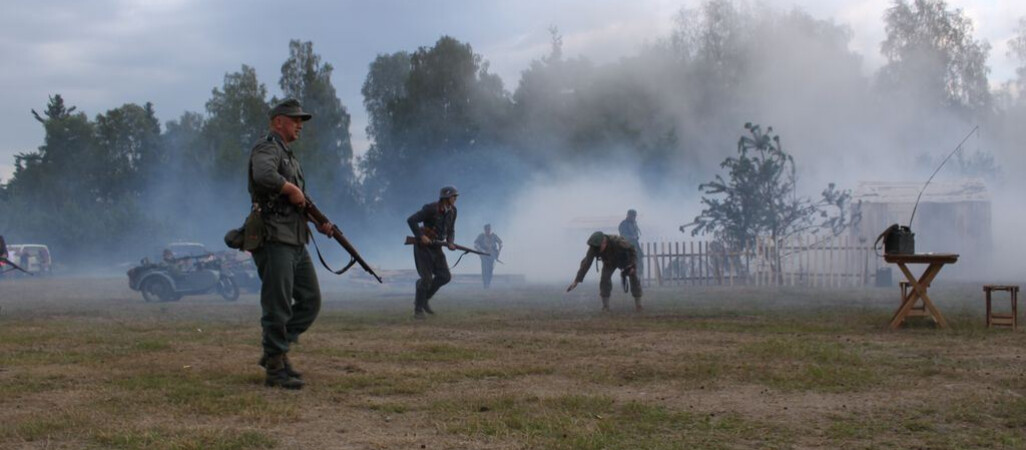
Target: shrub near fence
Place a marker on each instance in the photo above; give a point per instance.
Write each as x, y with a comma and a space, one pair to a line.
813, 261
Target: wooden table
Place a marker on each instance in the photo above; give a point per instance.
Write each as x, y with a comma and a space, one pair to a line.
935, 262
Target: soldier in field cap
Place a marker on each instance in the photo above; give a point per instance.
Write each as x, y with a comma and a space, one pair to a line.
630, 231
290, 296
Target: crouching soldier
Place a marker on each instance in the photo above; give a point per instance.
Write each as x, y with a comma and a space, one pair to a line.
615, 253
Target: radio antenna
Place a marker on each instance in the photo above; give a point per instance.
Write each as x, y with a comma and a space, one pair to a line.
928, 180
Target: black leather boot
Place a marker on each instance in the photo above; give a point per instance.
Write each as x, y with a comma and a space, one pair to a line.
277, 376
288, 366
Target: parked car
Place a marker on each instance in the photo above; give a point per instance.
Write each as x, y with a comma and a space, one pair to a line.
34, 258
174, 277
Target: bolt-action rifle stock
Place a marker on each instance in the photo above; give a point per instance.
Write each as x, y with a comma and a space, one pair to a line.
317, 217
410, 240
435, 242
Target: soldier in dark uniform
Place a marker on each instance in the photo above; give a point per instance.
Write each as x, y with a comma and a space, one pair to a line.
3, 256
439, 220
615, 253
630, 231
490, 243
290, 296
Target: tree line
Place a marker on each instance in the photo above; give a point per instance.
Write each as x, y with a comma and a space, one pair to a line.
111, 184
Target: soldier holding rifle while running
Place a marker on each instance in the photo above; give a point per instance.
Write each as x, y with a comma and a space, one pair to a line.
439, 220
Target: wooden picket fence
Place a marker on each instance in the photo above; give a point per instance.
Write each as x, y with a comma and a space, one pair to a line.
813, 261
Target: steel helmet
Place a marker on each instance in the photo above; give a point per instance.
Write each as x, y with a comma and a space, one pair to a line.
448, 191
596, 239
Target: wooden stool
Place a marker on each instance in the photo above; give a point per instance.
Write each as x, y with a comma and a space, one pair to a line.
1003, 320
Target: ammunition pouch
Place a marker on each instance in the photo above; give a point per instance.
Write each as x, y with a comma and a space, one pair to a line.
235, 238
254, 231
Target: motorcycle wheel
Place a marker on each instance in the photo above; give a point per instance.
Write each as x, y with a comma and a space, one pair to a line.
158, 290
228, 289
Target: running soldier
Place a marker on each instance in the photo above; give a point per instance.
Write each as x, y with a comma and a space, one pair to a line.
490, 243
439, 220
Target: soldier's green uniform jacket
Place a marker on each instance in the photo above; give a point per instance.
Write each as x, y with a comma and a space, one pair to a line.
619, 253
271, 164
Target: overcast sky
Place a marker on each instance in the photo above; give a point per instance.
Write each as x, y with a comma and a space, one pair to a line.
102, 54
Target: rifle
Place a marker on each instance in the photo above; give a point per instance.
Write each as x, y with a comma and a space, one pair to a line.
13, 265
317, 217
410, 240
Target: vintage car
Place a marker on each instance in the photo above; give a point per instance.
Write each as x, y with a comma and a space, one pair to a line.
173, 277
33, 258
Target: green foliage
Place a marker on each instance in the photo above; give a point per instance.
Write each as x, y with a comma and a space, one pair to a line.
1017, 50
127, 143
325, 147
437, 104
759, 197
84, 168
237, 118
932, 55
385, 85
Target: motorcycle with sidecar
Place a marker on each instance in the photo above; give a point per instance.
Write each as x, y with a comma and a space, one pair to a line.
172, 278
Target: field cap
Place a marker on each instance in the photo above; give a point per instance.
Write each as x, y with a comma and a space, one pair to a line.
290, 107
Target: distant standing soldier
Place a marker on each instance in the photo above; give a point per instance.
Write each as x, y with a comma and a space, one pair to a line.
3, 255
630, 231
290, 296
615, 253
490, 243
439, 222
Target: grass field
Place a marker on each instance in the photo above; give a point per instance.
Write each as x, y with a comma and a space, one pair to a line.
86, 364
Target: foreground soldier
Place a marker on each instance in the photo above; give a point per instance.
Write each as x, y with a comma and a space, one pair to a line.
290, 296
490, 243
439, 221
630, 231
615, 253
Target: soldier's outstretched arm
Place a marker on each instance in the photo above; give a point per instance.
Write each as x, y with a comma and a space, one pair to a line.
585, 265
572, 286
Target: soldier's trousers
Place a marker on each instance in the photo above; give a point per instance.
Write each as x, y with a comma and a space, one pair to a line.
487, 266
641, 256
606, 282
434, 273
289, 294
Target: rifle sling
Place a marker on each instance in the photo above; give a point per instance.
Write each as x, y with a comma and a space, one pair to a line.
325, 264
458, 259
